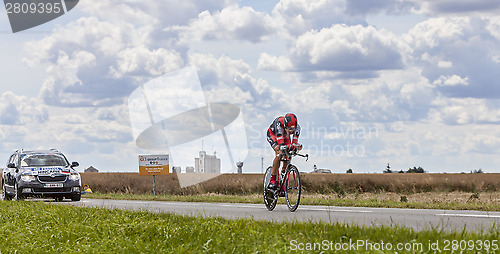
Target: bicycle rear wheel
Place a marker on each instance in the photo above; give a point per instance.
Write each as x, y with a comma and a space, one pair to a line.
269, 198
293, 188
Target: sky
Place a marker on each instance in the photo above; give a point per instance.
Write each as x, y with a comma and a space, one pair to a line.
405, 82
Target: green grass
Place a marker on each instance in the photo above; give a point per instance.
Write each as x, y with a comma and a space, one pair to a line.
305, 200
40, 227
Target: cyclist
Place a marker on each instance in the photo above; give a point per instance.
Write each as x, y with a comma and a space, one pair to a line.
278, 136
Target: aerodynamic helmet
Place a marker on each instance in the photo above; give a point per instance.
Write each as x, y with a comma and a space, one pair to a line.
290, 121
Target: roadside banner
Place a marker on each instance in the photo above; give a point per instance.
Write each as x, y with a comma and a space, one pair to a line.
156, 164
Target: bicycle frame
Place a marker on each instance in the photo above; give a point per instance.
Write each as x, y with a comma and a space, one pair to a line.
271, 196
282, 176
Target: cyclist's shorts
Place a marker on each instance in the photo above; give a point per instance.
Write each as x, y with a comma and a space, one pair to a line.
273, 140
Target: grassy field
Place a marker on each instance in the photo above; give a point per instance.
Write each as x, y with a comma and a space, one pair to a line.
336, 184
436, 191
40, 227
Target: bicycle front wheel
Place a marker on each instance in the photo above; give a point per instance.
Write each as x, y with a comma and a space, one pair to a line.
293, 188
269, 197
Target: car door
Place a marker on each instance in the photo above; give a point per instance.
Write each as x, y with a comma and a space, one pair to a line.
9, 173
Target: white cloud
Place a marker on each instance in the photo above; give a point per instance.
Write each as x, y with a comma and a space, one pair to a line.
445, 64
156, 13
99, 60
395, 95
276, 63
436, 32
231, 23
141, 60
453, 80
309, 99
465, 111
458, 52
82, 133
83, 125
436, 147
299, 16
21, 110
226, 79
93, 62
493, 26
339, 48
483, 142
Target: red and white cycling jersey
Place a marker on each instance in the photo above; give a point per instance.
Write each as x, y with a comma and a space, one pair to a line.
276, 134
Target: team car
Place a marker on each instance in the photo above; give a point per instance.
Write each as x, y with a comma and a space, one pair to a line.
41, 173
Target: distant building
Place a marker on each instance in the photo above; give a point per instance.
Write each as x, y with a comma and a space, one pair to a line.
189, 169
207, 163
91, 169
176, 169
320, 170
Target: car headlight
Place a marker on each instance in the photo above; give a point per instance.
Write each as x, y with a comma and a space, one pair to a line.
74, 177
27, 178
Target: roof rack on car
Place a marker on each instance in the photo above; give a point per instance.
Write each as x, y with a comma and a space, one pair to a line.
54, 150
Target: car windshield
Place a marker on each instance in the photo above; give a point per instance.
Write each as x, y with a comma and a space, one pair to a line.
41, 160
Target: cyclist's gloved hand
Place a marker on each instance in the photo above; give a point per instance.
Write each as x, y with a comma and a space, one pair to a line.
283, 148
291, 148
298, 146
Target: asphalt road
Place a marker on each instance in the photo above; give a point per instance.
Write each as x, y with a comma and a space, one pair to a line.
418, 219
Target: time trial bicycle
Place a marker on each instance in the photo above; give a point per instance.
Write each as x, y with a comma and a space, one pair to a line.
288, 181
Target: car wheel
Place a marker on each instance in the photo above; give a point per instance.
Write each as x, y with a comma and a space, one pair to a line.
76, 196
17, 193
5, 195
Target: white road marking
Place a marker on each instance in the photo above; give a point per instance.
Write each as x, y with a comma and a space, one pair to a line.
336, 210
301, 208
242, 206
469, 215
